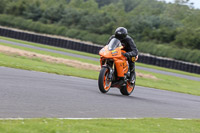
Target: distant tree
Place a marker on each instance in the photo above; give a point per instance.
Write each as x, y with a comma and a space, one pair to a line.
2, 5
181, 1
71, 17
130, 4
146, 20
178, 11
97, 23
16, 7
148, 7
88, 5
192, 20
117, 12
106, 2
76, 3
33, 11
153, 28
188, 38
68, 1
53, 14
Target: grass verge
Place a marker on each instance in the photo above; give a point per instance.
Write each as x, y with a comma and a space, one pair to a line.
51, 54
167, 69
94, 56
170, 83
36, 64
146, 125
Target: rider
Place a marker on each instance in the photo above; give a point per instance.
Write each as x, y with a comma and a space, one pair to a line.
121, 33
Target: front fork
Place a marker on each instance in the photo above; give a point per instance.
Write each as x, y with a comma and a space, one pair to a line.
107, 64
111, 71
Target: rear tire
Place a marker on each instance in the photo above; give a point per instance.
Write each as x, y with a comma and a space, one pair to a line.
128, 89
103, 82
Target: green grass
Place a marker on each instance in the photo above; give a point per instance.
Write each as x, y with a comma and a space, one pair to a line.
90, 55
146, 125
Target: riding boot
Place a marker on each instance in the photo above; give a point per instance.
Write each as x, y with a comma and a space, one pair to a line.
132, 77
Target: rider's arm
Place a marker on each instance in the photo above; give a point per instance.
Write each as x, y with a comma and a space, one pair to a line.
134, 50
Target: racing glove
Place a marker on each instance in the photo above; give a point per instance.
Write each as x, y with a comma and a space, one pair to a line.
126, 55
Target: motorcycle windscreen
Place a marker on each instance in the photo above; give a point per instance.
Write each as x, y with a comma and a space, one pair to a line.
113, 44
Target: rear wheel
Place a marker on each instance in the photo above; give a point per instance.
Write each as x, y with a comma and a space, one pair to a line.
128, 89
103, 81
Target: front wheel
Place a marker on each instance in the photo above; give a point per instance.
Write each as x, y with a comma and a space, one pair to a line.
103, 81
128, 89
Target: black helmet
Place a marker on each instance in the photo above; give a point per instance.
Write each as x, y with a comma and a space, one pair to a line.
121, 33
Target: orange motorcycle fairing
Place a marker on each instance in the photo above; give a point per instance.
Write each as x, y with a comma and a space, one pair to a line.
105, 53
121, 67
120, 61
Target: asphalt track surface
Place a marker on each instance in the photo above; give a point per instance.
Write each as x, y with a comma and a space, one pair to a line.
95, 59
30, 94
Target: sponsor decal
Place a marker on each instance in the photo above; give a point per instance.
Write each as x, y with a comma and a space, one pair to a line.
114, 53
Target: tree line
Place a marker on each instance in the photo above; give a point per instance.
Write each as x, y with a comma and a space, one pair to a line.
172, 24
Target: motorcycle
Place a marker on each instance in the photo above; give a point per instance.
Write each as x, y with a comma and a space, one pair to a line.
115, 69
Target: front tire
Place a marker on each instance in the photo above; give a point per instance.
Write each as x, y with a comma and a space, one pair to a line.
103, 81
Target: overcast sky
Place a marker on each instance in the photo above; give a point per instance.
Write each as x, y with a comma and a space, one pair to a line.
196, 2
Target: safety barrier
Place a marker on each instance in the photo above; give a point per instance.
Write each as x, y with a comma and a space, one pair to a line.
94, 49
169, 63
50, 40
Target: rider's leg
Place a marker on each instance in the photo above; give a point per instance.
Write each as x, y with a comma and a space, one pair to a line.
132, 71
